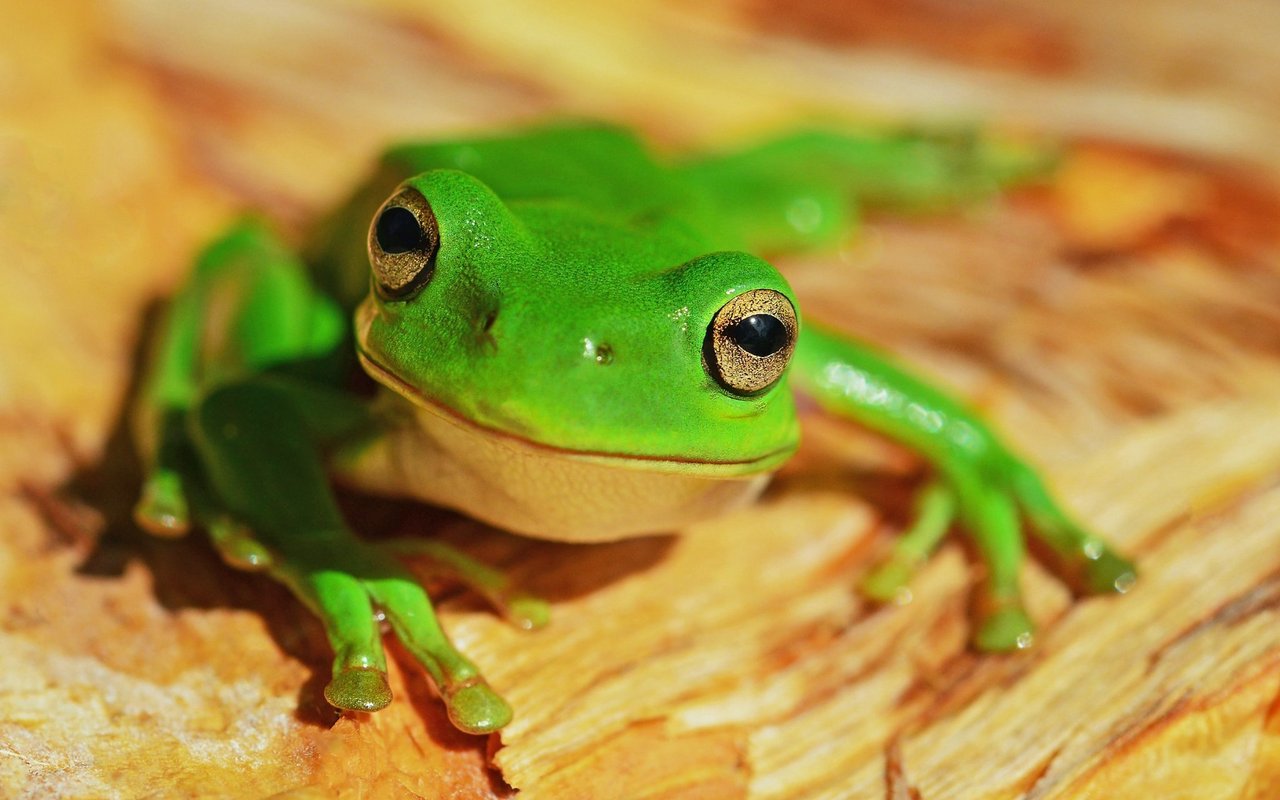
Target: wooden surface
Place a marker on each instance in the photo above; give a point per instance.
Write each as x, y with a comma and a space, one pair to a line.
1122, 326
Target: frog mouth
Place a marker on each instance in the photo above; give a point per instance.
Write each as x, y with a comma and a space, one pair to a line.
661, 463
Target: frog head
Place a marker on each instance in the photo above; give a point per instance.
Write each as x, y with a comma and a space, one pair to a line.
552, 328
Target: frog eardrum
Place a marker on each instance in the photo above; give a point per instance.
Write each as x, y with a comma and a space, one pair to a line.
750, 341
403, 241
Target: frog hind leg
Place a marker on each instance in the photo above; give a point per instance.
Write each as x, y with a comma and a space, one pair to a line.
262, 461
596, 164
805, 190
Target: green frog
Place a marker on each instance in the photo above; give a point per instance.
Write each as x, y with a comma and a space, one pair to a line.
572, 338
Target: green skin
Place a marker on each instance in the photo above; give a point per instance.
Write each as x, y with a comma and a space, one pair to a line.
550, 238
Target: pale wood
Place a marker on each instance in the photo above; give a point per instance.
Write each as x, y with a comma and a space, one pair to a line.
1120, 326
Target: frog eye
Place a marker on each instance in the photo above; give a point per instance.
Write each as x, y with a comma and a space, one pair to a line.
750, 341
403, 241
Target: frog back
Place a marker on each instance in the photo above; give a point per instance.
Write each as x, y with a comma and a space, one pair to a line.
597, 166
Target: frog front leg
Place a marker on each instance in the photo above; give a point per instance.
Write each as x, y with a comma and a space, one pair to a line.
258, 445
239, 405
985, 486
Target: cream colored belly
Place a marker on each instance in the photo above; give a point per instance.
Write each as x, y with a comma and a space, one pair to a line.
539, 491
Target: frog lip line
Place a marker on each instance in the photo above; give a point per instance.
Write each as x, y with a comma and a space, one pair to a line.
389, 378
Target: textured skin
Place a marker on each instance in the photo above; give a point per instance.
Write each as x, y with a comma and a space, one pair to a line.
551, 373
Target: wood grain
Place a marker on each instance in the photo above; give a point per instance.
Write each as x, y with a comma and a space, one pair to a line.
1121, 325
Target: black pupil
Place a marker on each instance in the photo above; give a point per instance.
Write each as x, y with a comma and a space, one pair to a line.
759, 334
398, 230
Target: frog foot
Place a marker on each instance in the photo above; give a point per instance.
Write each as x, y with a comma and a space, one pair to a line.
162, 509
359, 689
524, 611
1003, 627
1083, 559
992, 499
474, 707
888, 581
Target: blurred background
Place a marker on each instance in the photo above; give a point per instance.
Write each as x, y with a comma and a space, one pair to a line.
1121, 323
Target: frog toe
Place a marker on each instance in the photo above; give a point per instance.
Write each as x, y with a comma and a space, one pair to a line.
237, 546
887, 583
1004, 630
526, 612
476, 708
1102, 571
162, 509
359, 689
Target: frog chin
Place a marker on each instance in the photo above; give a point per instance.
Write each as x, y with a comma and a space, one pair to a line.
520, 485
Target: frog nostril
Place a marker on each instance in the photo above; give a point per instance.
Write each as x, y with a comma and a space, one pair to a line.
759, 334
398, 230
